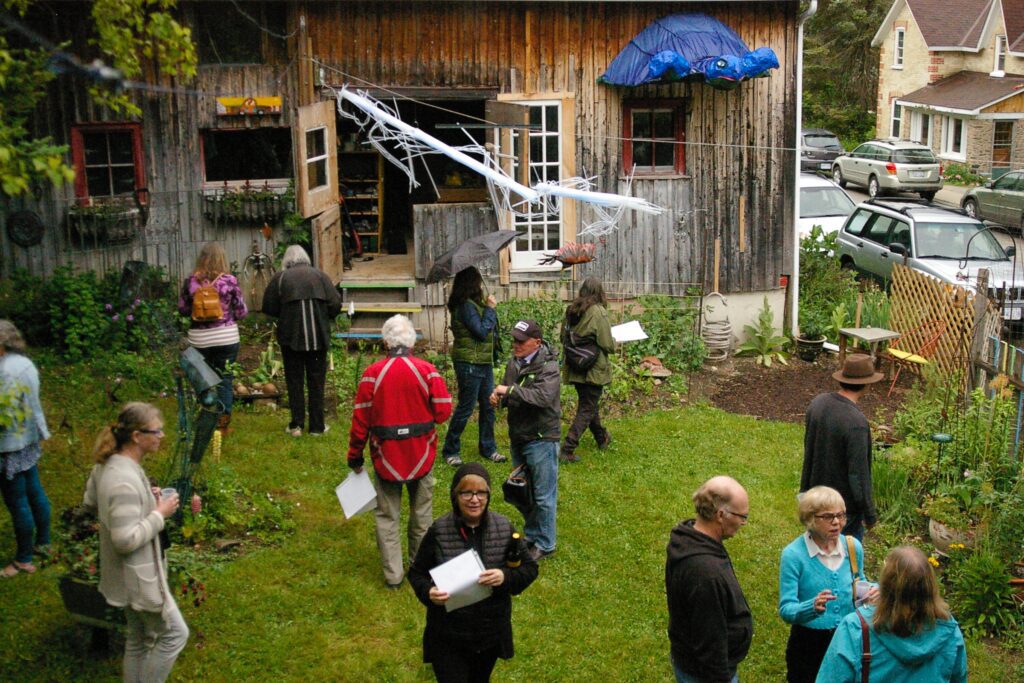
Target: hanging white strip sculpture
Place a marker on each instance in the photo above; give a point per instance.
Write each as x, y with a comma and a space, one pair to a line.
381, 125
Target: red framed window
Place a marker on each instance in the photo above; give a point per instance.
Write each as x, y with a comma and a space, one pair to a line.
653, 133
107, 158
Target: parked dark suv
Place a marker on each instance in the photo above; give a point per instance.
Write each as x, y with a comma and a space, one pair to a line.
817, 150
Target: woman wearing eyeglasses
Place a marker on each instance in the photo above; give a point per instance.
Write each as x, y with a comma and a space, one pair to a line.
816, 581
465, 644
133, 572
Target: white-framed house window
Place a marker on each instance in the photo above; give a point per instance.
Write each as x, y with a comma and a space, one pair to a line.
953, 138
897, 48
921, 127
999, 57
897, 119
316, 157
538, 234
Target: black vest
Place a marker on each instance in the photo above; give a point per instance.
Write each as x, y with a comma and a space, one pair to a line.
494, 548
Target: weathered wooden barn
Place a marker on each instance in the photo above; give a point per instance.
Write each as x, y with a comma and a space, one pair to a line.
215, 158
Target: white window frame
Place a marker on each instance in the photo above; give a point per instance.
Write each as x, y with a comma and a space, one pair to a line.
325, 157
896, 120
528, 259
949, 150
917, 123
999, 58
898, 43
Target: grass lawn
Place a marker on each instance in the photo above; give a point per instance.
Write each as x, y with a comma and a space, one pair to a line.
314, 608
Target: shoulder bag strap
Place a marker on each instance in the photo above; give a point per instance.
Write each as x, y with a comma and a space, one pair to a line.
865, 646
854, 568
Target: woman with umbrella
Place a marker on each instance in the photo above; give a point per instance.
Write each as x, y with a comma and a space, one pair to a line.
475, 328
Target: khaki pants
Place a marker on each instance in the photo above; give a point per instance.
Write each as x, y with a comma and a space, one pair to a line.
389, 510
152, 643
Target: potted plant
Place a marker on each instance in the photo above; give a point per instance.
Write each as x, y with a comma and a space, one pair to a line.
76, 548
111, 222
948, 523
813, 326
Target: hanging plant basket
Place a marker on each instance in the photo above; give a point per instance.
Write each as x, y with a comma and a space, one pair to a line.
246, 207
104, 224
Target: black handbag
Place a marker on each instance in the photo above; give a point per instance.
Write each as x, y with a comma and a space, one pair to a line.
581, 353
518, 489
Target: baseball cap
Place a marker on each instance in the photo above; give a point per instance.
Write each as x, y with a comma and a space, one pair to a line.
526, 329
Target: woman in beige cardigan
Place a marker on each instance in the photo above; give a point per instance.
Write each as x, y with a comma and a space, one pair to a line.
133, 573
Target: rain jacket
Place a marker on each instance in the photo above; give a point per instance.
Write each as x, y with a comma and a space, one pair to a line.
935, 655
710, 625
594, 321
534, 398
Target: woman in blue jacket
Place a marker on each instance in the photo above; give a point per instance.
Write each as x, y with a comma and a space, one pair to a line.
816, 581
911, 634
21, 430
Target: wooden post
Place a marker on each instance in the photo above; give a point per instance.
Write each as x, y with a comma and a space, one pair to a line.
860, 307
743, 224
718, 256
978, 332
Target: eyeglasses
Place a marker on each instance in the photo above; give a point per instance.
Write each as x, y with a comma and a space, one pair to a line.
831, 516
736, 514
468, 495
150, 431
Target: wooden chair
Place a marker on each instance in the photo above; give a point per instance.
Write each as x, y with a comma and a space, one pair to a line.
914, 349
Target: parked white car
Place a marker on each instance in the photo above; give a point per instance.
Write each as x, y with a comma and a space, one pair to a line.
823, 203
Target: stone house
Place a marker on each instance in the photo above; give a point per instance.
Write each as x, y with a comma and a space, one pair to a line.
951, 76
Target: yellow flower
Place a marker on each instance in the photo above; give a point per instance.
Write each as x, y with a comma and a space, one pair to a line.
956, 546
933, 562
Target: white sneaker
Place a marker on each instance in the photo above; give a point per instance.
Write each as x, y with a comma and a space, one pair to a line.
293, 431
327, 428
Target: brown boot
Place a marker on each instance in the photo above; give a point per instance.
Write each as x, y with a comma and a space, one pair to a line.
222, 424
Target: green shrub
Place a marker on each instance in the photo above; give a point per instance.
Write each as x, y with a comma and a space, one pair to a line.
896, 493
823, 283
980, 594
544, 308
671, 329
961, 174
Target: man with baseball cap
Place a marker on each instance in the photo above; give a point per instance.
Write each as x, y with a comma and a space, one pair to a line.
837, 443
530, 391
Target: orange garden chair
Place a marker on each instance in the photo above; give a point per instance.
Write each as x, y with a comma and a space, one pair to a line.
914, 349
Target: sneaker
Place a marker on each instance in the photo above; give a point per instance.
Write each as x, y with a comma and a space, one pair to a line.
393, 586
566, 456
293, 431
606, 443
536, 554
453, 460
496, 457
327, 428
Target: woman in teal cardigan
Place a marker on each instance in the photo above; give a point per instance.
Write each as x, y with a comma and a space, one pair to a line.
816, 581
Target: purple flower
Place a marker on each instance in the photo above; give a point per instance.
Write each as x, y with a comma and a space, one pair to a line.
115, 317
108, 307
136, 302
130, 317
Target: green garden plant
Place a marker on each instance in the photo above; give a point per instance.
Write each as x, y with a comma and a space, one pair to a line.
980, 594
671, 327
762, 342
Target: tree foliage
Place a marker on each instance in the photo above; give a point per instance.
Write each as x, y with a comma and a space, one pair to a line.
138, 38
841, 67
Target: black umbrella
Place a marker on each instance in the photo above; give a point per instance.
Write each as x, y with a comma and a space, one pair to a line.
471, 252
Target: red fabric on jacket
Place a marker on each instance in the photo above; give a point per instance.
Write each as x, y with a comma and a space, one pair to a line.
398, 390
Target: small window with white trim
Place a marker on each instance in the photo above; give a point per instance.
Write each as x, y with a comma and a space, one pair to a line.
897, 118
999, 58
921, 127
897, 48
953, 137
316, 157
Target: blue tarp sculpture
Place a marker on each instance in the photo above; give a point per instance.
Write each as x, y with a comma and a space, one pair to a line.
691, 47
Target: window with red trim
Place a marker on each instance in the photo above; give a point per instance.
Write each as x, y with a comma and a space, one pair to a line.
108, 160
653, 133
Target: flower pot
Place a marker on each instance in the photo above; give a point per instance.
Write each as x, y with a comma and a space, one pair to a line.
87, 605
943, 536
809, 349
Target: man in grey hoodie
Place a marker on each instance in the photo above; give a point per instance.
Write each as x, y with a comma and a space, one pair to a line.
709, 622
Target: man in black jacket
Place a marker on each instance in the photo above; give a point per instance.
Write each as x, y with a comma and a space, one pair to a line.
709, 622
531, 392
837, 443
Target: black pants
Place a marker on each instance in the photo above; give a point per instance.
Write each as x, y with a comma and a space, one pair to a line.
309, 368
464, 666
804, 652
587, 415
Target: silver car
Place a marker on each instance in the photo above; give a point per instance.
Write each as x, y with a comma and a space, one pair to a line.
886, 166
945, 244
1000, 201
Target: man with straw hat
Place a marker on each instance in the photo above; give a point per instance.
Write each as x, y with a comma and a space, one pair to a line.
837, 443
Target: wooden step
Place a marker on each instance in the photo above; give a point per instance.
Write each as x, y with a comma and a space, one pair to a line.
366, 335
376, 284
384, 307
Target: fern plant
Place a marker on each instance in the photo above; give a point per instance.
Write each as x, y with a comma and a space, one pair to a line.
766, 346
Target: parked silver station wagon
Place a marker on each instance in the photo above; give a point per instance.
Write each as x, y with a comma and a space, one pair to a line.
1000, 201
885, 166
946, 244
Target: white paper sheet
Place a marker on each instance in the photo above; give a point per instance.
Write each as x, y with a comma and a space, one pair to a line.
458, 578
356, 494
627, 332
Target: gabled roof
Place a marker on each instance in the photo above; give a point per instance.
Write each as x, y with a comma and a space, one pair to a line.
966, 92
958, 25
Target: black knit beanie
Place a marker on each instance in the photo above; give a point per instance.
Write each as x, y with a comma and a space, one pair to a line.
464, 470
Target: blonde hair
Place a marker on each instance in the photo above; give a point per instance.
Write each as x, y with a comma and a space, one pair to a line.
134, 416
815, 500
908, 594
212, 261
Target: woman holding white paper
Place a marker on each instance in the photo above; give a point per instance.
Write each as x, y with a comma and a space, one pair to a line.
465, 644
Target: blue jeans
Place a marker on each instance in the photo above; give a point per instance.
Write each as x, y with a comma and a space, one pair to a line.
542, 459
476, 382
855, 526
30, 511
217, 357
683, 677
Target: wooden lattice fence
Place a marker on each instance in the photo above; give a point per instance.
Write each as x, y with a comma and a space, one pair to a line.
917, 299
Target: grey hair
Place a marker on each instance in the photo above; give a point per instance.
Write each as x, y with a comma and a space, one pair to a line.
398, 331
816, 500
295, 255
10, 337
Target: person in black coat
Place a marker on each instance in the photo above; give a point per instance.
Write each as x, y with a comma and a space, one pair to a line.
465, 644
306, 302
